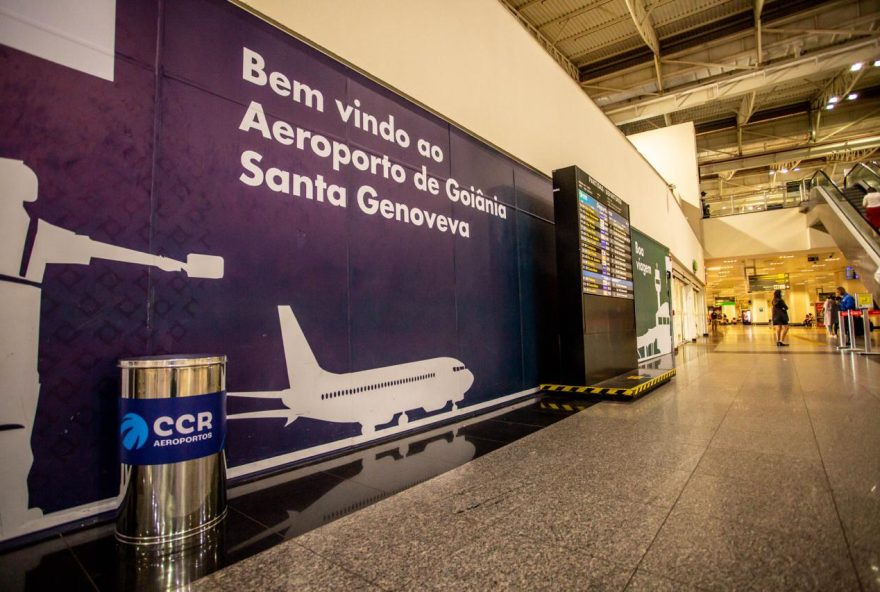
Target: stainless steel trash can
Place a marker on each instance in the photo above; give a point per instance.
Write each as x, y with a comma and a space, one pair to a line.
172, 427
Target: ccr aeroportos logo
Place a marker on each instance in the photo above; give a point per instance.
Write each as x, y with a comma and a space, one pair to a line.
134, 431
184, 425
166, 430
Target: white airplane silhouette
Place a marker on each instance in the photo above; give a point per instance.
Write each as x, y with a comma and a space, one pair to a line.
369, 397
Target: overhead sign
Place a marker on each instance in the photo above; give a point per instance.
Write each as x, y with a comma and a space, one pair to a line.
769, 282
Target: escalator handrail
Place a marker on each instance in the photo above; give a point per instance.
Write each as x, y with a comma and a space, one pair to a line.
815, 182
861, 167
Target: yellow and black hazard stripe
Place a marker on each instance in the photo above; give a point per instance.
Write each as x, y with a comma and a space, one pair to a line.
562, 406
615, 391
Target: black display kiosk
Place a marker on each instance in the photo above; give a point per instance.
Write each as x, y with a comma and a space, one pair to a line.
595, 280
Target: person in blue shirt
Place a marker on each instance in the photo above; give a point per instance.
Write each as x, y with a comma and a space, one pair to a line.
847, 303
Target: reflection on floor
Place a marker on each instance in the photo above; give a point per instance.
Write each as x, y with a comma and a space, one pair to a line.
266, 512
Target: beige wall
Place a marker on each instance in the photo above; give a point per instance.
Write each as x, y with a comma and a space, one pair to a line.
761, 233
673, 152
472, 62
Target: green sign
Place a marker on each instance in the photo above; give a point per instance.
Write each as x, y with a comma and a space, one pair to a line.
651, 268
768, 282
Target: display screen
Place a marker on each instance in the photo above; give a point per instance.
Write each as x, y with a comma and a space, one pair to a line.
606, 258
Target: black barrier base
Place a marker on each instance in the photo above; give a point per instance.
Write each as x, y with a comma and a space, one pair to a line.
628, 385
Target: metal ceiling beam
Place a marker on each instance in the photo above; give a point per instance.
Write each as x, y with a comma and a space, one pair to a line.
642, 20
853, 32
739, 84
746, 109
707, 64
743, 114
765, 160
759, 52
586, 32
549, 46
728, 27
572, 14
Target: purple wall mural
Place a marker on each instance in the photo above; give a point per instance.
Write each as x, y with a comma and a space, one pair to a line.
416, 283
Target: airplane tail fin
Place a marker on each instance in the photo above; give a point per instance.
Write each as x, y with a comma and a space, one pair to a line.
301, 361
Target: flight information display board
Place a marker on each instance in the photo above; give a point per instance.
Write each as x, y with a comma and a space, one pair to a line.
769, 282
594, 275
606, 257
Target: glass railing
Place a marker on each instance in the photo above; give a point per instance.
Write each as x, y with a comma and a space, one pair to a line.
865, 176
873, 166
785, 197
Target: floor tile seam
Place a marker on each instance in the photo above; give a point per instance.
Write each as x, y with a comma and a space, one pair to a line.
756, 526
552, 541
630, 502
384, 494
680, 493
265, 527
673, 580
79, 563
529, 424
846, 536
344, 567
711, 473
663, 422
506, 442
537, 540
821, 486
782, 433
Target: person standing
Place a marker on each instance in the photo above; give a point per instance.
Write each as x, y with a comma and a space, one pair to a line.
831, 315
848, 305
780, 318
871, 201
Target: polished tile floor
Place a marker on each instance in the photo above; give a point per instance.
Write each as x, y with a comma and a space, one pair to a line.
756, 468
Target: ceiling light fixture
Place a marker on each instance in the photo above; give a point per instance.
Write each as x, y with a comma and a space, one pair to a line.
833, 100
852, 96
856, 67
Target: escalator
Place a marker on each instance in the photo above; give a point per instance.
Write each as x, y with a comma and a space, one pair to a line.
839, 212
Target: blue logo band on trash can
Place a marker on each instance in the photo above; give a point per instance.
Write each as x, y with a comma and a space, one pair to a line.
160, 431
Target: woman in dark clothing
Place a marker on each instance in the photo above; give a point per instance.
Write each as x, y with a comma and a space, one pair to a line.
780, 318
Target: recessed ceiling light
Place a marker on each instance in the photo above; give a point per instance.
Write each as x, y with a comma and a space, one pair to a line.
829, 106
784, 171
877, 62
833, 100
856, 67
852, 96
